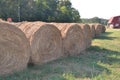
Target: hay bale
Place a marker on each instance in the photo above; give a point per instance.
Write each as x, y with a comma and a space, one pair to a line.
17, 24
22, 24
45, 40
92, 28
88, 34
98, 29
25, 23
12, 23
14, 49
103, 29
1, 20
73, 38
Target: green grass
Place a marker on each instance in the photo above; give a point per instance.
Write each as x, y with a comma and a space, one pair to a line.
100, 62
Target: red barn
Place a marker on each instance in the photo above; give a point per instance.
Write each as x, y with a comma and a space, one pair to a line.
114, 22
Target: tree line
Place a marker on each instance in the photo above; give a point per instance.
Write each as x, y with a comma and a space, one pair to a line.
95, 20
39, 10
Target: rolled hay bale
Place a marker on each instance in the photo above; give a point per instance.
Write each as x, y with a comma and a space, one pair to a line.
92, 28
88, 34
1, 20
25, 23
17, 24
12, 23
73, 38
45, 41
14, 49
103, 29
98, 29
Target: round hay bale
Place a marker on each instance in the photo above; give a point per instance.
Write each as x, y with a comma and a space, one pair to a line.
92, 28
103, 29
45, 41
14, 49
88, 34
22, 24
1, 21
17, 24
25, 23
98, 29
73, 38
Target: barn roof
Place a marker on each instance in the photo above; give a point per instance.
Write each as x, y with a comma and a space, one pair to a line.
112, 18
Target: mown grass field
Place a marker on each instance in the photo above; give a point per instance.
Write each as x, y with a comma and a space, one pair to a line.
100, 62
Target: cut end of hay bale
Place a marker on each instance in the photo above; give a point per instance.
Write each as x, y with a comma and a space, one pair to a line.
73, 38
45, 40
98, 29
14, 49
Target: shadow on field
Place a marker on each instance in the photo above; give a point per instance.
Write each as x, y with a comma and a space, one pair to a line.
87, 64
106, 56
105, 36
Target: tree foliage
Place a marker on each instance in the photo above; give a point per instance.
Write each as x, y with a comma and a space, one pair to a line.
43, 10
95, 20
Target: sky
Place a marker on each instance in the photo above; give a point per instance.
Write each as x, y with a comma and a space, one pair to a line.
97, 8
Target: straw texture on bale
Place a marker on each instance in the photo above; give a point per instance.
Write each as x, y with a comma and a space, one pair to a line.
45, 40
2, 20
73, 38
92, 28
20, 23
98, 29
25, 23
88, 34
14, 49
103, 29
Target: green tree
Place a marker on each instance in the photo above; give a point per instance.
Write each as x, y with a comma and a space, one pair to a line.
67, 13
43, 10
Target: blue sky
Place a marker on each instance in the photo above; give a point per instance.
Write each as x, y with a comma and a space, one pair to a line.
97, 8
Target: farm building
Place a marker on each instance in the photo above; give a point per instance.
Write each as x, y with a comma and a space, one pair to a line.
114, 22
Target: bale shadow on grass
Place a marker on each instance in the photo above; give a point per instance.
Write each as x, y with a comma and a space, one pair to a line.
107, 56
108, 33
105, 36
85, 65
81, 66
